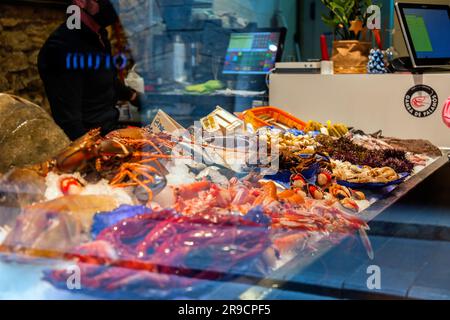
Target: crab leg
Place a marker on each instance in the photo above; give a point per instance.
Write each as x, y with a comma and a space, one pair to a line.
136, 182
126, 172
150, 178
158, 164
151, 155
139, 166
130, 184
126, 185
126, 168
146, 188
119, 177
166, 143
149, 142
142, 164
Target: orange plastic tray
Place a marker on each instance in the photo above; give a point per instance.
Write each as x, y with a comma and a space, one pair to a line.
255, 118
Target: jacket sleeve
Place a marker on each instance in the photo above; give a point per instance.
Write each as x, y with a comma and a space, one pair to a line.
65, 92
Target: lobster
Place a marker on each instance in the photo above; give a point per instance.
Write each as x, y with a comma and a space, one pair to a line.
127, 157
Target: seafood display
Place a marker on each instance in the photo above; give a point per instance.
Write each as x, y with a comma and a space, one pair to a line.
369, 141
298, 162
142, 212
126, 158
345, 150
334, 130
59, 185
296, 143
204, 245
415, 146
377, 141
363, 174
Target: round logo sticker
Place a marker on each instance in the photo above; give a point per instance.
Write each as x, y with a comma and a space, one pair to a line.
446, 113
421, 101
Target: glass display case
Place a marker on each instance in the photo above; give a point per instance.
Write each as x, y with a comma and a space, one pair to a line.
408, 239
212, 194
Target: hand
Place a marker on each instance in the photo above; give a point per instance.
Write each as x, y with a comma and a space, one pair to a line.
136, 99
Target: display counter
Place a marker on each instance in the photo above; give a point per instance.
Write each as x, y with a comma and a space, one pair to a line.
401, 105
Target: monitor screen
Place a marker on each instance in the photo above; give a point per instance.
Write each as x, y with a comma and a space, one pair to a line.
430, 32
253, 53
426, 29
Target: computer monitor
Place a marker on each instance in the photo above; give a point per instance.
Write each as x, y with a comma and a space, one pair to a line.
426, 29
254, 53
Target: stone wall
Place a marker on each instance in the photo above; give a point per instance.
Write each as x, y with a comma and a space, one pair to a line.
23, 31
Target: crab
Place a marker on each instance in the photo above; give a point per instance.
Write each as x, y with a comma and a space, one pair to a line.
346, 196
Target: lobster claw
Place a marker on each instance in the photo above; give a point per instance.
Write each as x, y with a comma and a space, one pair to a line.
315, 192
324, 177
112, 147
298, 181
77, 155
339, 192
349, 204
358, 195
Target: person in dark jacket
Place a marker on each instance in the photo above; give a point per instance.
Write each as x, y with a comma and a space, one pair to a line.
79, 75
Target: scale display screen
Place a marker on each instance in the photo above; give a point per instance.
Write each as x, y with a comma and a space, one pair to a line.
426, 29
430, 32
253, 53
